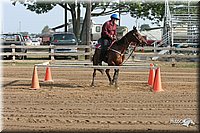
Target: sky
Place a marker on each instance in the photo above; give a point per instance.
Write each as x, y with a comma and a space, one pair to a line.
18, 19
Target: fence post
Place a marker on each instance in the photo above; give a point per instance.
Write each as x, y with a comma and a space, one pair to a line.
154, 45
13, 52
80, 57
173, 60
52, 52
88, 50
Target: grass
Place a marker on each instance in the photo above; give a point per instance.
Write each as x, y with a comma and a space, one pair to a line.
178, 64
19, 63
188, 65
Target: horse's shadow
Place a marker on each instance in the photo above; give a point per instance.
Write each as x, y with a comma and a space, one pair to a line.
52, 84
10, 83
16, 83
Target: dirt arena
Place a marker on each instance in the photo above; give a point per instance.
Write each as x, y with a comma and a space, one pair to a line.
70, 104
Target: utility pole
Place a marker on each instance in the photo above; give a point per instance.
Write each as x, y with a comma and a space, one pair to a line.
88, 26
119, 13
88, 22
66, 17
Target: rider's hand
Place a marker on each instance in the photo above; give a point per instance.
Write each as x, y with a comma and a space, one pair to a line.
114, 38
111, 37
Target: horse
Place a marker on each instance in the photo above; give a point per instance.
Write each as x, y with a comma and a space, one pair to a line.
116, 54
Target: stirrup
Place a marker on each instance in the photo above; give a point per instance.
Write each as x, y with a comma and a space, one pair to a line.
100, 63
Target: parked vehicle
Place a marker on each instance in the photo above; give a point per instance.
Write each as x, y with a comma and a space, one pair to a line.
28, 41
64, 40
16, 39
35, 42
185, 45
46, 38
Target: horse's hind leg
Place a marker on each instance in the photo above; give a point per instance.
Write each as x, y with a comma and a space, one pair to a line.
97, 60
109, 78
94, 75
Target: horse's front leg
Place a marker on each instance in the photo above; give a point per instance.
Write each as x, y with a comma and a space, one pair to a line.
94, 75
115, 77
109, 78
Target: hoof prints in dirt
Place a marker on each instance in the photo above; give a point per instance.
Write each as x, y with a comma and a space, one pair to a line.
69, 103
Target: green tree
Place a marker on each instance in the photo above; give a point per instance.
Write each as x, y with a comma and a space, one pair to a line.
152, 10
39, 7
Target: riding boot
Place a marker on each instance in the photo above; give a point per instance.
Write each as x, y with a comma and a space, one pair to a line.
101, 56
106, 45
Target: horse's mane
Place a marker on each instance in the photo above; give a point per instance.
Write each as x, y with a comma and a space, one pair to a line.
122, 40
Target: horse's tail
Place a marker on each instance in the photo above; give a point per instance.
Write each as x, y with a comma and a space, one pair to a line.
95, 60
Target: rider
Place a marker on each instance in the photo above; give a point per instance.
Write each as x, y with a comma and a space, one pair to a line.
108, 34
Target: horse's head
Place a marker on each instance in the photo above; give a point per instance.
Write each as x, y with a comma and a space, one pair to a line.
137, 37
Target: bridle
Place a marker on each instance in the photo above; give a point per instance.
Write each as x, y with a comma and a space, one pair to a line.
137, 38
121, 54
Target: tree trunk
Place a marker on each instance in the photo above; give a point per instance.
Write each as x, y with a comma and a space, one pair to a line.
85, 33
76, 18
74, 21
78, 21
73, 13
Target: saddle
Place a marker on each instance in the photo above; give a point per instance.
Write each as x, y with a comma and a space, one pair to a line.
99, 44
103, 45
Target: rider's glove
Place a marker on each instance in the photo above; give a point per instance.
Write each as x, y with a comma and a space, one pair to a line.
114, 38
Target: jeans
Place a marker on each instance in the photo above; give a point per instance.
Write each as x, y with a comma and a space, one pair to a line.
105, 44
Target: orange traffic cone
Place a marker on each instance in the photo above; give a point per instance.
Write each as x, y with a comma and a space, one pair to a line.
35, 81
48, 77
157, 87
151, 75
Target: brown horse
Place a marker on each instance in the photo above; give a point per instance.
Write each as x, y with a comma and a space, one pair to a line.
116, 54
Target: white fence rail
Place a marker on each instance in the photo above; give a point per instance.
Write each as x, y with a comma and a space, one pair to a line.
45, 51
49, 51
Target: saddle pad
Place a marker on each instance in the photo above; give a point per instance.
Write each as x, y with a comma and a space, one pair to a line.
98, 46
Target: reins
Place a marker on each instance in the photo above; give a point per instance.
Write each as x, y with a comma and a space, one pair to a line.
129, 56
121, 54
131, 51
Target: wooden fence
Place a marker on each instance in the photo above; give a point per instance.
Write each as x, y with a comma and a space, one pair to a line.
82, 51
47, 51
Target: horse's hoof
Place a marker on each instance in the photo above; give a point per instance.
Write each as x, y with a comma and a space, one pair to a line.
111, 84
91, 85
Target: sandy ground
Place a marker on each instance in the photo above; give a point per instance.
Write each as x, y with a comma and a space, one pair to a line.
70, 104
